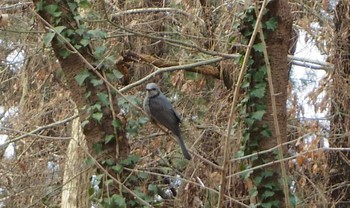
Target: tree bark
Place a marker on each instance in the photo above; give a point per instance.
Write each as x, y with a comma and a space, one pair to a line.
76, 175
278, 43
338, 162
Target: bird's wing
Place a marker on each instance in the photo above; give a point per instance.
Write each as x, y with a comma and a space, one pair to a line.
163, 112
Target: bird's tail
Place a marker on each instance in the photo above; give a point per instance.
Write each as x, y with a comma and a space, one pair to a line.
183, 148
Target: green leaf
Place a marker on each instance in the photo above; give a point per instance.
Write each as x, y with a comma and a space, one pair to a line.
48, 38
118, 168
259, 47
110, 162
270, 204
96, 82
39, 5
267, 194
271, 24
266, 132
267, 173
142, 175
99, 51
245, 175
258, 91
84, 4
257, 115
257, 180
72, 6
116, 123
97, 34
51, 8
80, 78
118, 200
96, 107
153, 188
84, 123
108, 182
117, 74
97, 147
259, 75
143, 120
64, 53
84, 42
90, 161
59, 29
108, 138
97, 116
253, 192
103, 98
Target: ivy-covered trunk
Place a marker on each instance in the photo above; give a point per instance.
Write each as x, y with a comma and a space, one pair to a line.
98, 110
338, 162
267, 184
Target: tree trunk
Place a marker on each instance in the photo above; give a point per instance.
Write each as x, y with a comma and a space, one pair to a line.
73, 64
76, 177
278, 43
338, 162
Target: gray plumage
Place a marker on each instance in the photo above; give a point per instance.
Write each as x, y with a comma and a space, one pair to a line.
159, 108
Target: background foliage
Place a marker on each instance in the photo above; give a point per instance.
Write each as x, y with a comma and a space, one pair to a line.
128, 40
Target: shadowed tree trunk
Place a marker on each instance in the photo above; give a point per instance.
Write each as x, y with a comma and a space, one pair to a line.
338, 162
278, 43
72, 65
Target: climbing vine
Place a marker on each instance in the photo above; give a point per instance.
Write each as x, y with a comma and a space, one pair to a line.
252, 108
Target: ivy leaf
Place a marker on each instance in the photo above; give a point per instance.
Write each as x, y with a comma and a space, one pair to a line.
142, 175
103, 97
90, 161
98, 52
72, 6
118, 200
117, 168
267, 194
266, 133
97, 34
97, 147
253, 192
96, 82
52, 10
257, 180
117, 74
270, 204
108, 138
64, 53
48, 38
258, 91
258, 47
271, 24
116, 123
153, 188
84, 42
143, 120
59, 29
80, 78
97, 116
258, 115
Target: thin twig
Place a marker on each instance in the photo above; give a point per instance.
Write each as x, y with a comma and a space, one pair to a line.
39, 129
169, 69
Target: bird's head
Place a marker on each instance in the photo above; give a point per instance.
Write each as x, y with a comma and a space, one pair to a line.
152, 89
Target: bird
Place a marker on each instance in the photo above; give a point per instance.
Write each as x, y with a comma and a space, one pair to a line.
159, 109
